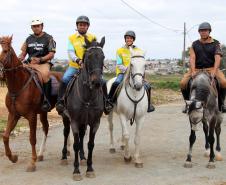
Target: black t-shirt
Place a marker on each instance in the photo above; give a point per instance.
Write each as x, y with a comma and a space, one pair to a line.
205, 53
40, 46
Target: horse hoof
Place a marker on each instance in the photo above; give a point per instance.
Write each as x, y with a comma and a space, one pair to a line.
90, 174
14, 158
188, 164
31, 168
77, 177
68, 153
139, 165
211, 165
64, 162
83, 162
128, 160
218, 156
207, 153
122, 147
40, 158
112, 150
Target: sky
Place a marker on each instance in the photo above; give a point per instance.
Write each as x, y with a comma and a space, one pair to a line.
112, 18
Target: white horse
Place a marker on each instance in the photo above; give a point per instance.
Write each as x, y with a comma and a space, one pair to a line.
132, 104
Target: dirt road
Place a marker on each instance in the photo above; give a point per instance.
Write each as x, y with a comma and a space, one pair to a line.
164, 148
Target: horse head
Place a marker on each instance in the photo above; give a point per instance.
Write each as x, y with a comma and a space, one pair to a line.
136, 69
94, 62
5, 43
201, 88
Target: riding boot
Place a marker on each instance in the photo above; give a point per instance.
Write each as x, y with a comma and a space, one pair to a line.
111, 96
186, 97
108, 106
60, 105
46, 106
221, 96
151, 108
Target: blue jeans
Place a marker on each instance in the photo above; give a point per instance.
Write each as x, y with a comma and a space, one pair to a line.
69, 73
119, 78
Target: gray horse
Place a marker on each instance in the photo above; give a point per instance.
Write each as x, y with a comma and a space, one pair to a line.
203, 107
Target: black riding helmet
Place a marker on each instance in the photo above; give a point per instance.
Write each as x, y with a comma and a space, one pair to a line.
205, 26
131, 34
82, 18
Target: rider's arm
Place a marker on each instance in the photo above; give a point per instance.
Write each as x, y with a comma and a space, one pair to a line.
218, 55
192, 60
23, 53
71, 52
51, 49
119, 63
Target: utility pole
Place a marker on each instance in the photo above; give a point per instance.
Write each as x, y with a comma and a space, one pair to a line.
183, 54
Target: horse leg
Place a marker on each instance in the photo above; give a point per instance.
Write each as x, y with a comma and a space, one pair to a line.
11, 123
110, 121
33, 126
76, 174
138, 160
90, 171
211, 141
207, 146
125, 134
82, 132
218, 148
65, 151
45, 127
192, 139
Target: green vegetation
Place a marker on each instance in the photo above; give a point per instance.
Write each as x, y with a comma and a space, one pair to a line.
158, 81
165, 81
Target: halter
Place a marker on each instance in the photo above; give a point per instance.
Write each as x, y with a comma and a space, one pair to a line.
95, 69
135, 102
136, 74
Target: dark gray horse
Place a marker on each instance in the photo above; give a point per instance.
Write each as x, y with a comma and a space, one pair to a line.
85, 105
203, 107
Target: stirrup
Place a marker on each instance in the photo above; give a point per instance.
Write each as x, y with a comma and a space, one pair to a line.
185, 109
151, 108
60, 107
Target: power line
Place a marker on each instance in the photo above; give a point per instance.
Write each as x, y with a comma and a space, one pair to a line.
150, 20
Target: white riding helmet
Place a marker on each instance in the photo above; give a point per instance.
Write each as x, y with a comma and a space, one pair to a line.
36, 22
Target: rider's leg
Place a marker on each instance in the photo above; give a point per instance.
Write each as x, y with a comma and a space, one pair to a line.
68, 75
114, 86
185, 88
222, 92
46, 106
147, 87
108, 106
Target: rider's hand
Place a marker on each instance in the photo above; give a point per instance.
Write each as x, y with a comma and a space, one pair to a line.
35, 60
193, 73
213, 73
80, 63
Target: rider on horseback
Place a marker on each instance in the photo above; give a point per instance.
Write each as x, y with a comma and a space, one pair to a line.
123, 60
40, 48
76, 52
205, 54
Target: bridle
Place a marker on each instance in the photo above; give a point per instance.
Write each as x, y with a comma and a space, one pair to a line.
88, 81
135, 102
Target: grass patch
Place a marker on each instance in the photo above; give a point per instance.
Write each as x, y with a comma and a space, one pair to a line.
21, 124
158, 81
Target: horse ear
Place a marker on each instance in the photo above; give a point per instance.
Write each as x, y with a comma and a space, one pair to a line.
11, 38
102, 42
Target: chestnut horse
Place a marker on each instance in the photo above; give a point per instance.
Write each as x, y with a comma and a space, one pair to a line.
24, 99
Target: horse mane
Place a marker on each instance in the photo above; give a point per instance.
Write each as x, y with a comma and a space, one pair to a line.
202, 87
